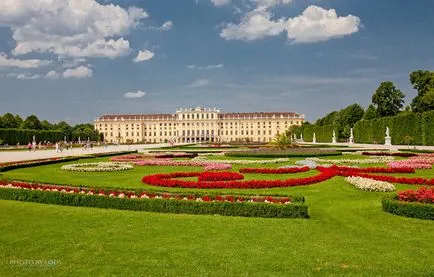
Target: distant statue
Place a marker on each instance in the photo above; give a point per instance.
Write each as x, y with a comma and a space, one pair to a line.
387, 132
334, 134
351, 133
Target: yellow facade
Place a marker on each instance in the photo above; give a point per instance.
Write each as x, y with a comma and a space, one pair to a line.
196, 125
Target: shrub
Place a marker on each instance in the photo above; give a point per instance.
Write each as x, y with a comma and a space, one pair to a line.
163, 205
409, 209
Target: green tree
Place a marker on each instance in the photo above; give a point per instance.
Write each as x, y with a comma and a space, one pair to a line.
371, 113
9, 121
46, 125
388, 99
32, 122
423, 82
19, 121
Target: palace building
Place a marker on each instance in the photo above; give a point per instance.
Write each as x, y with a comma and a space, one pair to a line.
195, 125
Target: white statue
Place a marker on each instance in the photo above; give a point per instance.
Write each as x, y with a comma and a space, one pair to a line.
351, 133
314, 138
387, 132
334, 134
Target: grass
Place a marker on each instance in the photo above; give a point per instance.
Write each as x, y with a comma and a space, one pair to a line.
347, 234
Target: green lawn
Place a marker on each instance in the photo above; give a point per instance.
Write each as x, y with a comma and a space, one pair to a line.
347, 234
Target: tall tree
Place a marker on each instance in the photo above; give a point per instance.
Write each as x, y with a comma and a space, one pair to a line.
19, 121
371, 113
46, 125
32, 122
388, 99
423, 82
9, 121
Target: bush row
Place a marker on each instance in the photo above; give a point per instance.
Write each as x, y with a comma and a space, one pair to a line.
409, 209
322, 133
295, 210
412, 128
22, 136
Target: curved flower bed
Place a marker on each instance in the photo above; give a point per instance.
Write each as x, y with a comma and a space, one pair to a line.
410, 203
419, 162
369, 184
422, 195
325, 173
219, 176
281, 170
270, 161
97, 167
232, 205
131, 158
217, 167
395, 154
379, 159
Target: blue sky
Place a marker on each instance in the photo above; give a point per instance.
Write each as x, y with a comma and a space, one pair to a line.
75, 60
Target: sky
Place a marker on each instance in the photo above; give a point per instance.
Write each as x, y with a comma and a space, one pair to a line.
75, 60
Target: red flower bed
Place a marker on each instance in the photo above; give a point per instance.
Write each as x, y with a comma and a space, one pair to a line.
220, 176
28, 162
169, 180
422, 195
275, 170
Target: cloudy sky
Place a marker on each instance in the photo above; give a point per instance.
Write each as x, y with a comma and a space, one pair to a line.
75, 60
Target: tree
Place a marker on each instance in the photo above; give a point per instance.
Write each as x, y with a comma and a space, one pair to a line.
32, 122
46, 125
371, 113
19, 121
388, 99
283, 140
9, 121
423, 82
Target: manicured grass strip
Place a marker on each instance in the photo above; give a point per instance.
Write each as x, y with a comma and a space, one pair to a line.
409, 209
268, 210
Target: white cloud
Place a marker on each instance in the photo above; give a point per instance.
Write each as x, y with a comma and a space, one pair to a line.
270, 3
79, 72
52, 75
135, 94
166, 26
74, 28
313, 25
256, 24
23, 76
70, 63
318, 24
199, 83
220, 3
144, 55
32, 63
205, 67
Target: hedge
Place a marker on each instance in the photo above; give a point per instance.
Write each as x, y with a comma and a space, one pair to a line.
418, 126
409, 209
322, 133
296, 210
23, 136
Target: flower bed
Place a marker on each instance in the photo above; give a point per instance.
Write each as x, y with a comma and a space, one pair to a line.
131, 158
325, 173
97, 167
410, 209
290, 152
379, 159
369, 184
395, 154
230, 205
219, 176
275, 171
422, 195
217, 167
22, 164
419, 162
271, 161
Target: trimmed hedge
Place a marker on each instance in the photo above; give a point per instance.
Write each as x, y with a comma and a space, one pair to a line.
418, 126
425, 151
43, 162
296, 210
24, 136
322, 133
409, 209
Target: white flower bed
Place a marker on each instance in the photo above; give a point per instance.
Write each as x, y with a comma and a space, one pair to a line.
271, 161
370, 184
97, 167
372, 160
